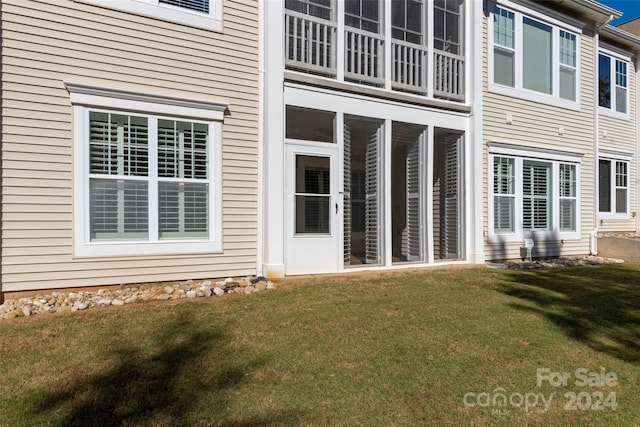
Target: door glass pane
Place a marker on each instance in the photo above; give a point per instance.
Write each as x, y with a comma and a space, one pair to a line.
312, 194
536, 56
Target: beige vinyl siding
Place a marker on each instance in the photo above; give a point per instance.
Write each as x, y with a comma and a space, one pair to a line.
538, 125
620, 135
46, 43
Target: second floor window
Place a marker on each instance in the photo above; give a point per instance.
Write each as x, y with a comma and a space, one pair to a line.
533, 56
612, 84
317, 8
363, 15
407, 20
447, 29
613, 188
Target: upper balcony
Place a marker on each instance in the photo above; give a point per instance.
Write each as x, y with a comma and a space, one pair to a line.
416, 51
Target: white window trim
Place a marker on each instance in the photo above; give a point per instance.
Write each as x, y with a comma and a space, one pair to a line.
615, 56
154, 9
518, 91
521, 154
86, 98
613, 156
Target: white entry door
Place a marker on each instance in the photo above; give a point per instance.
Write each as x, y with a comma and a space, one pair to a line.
311, 209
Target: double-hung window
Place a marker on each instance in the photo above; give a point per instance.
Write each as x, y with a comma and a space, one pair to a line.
504, 193
613, 188
613, 85
200, 13
147, 173
533, 196
568, 197
533, 58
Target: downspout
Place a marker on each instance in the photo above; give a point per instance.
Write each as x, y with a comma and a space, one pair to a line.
593, 237
260, 183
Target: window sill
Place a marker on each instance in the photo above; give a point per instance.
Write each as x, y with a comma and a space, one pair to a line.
534, 97
618, 216
212, 22
613, 114
173, 247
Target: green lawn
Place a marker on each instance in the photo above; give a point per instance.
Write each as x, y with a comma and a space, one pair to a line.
403, 350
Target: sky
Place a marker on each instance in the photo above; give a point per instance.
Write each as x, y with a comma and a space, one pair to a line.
630, 9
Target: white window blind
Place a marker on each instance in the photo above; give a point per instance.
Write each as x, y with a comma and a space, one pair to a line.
414, 216
118, 180
568, 199
372, 174
120, 177
451, 222
201, 6
182, 162
536, 195
346, 200
504, 194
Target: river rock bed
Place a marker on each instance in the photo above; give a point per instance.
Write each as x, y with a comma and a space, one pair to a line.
557, 262
60, 302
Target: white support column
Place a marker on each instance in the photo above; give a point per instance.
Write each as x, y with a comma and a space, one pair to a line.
387, 44
429, 161
386, 174
429, 35
637, 186
340, 172
338, 9
474, 140
273, 147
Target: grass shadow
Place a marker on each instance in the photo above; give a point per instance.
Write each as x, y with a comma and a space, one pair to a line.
185, 371
598, 306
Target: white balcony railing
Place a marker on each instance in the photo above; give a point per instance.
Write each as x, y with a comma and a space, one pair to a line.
364, 56
448, 76
409, 67
310, 43
311, 46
